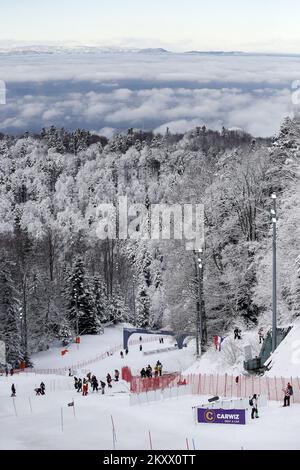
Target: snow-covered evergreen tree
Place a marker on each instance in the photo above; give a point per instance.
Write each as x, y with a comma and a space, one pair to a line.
10, 324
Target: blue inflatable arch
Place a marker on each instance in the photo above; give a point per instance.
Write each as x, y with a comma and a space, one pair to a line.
127, 332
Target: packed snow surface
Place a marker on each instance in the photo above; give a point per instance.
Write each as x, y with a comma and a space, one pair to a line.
35, 422
285, 362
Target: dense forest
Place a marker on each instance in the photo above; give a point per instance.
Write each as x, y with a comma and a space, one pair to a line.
58, 279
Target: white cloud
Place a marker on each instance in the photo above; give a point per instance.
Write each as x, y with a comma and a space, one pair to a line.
252, 92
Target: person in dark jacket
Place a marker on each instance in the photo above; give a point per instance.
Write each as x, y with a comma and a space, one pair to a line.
75, 383
79, 385
149, 371
126, 351
254, 403
109, 380
13, 390
103, 385
117, 375
288, 392
122, 355
143, 373
141, 347
95, 383
43, 388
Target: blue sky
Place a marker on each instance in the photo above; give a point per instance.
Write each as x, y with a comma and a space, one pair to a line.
252, 25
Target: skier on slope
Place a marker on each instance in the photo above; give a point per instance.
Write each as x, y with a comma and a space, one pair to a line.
253, 402
95, 383
43, 388
75, 383
13, 390
109, 380
103, 385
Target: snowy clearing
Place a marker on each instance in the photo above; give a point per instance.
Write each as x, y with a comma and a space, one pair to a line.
35, 421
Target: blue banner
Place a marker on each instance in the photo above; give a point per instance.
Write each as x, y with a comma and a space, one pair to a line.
220, 416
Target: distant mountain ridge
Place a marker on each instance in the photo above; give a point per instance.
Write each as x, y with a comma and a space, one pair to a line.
39, 49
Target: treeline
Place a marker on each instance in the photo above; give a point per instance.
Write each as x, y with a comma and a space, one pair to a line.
58, 279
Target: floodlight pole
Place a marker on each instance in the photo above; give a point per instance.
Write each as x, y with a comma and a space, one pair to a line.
199, 305
274, 288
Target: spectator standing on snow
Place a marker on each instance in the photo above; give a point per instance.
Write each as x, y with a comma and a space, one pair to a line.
126, 351
253, 404
103, 385
11, 371
141, 339
89, 376
117, 375
236, 333
95, 383
79, 385
261, 335
75, 383
84, 388
156, 371
13, 390
288, 392
141, 347
108, 380
159, 367
122, 355
149, 371
43, 388
143, 373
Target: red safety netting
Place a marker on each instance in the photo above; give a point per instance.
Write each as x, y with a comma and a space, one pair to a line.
139, 385
126, 374
243, 386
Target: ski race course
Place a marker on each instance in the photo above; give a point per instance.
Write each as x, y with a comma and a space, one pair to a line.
112, 421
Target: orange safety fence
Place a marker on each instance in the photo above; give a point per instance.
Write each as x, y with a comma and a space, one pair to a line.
81, 365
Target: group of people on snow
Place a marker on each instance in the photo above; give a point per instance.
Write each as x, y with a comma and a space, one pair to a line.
122, 354
41, 390
82, 385
253, 401
148, 372
237, 333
